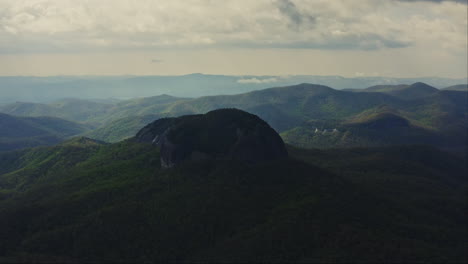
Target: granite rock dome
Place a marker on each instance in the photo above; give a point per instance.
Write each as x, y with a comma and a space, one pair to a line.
219, 134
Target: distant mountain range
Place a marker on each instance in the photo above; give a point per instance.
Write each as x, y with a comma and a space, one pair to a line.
48, 89
432, 116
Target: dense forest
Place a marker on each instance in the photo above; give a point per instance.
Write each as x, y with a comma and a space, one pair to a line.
87, 201
364, 176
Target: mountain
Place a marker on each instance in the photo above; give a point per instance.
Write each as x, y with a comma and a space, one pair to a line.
159, 105
82, 142
436, 117
406, 92
459, 87
122, 128
384, 126
219, 134
287, 107
22, 132
114, 203
282, 107
92, 111
445, 111
48, 89
126, 118
70, 109
382, 88
415, 90
293, 108
382, 130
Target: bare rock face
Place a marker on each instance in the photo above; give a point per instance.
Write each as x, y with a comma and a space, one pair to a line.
219, 134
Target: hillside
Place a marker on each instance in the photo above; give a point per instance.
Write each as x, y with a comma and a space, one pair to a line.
23, 132
439, 118
436, 117
282, 107
108, 203
70, 109
92, 111
459, 87
122, 128
381, 126
286, 107
416, 90
159, 105
405, 92
383, 88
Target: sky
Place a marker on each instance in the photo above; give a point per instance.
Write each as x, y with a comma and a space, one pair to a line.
350, 38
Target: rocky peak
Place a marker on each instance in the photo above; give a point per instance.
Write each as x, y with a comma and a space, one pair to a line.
219, 134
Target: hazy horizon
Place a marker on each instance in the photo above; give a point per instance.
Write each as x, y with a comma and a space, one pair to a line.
232, 75
47, 89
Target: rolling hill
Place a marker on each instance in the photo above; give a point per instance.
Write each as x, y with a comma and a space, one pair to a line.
403, 91
459, 87
382, 88
288, 109
416, 90
122, 128
93, 112
382, 128
283, 107
435, 117
23, 132
71, 109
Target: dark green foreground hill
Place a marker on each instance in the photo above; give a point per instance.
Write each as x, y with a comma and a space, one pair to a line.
83, 201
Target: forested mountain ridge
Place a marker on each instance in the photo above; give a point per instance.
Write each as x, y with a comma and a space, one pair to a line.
294, 108
403, 91
22, 132
91, 111
438, 117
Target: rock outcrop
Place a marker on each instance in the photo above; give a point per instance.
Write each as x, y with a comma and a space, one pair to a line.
219, 134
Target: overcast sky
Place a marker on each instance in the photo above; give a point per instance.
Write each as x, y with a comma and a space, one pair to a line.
396, 38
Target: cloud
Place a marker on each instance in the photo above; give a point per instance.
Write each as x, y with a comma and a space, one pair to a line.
435, 1
52, 26
257, 80
289, 9
157, 61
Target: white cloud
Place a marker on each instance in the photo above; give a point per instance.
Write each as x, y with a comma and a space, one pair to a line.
64, 25
257, 80
268, 37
